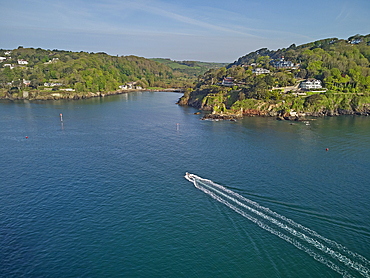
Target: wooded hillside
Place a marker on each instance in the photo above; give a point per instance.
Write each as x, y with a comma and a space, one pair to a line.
82, 71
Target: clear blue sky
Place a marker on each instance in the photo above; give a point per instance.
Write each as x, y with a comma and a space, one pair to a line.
203, 30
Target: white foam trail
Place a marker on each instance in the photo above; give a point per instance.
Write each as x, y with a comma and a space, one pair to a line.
288, 239
348, 262
315, 243
290, 221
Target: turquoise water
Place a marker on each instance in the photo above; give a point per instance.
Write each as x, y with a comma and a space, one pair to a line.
104, 193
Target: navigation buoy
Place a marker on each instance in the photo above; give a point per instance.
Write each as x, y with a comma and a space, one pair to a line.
327, 149
26, 137
61, 118
177, 126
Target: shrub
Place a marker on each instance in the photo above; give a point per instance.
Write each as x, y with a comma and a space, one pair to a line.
14, 90
312, 100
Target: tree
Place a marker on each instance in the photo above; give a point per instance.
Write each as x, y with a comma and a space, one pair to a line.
302, 73
34, 83
269, 80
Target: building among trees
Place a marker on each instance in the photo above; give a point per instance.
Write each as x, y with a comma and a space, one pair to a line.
259, 71
282, 64
310, 84
228, 81
22, 62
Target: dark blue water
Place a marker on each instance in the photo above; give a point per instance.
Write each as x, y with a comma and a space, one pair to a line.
103, 194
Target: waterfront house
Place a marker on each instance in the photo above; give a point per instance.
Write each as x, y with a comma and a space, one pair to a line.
8, 53
130, 85
2, 59
123, 87
310, 84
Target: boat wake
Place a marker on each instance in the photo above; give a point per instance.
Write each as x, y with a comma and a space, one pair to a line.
328, 252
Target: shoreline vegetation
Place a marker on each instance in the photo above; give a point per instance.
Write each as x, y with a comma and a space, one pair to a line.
75, 96
28, 73
328, 77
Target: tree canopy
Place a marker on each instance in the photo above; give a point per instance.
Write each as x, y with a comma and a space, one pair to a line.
84, 71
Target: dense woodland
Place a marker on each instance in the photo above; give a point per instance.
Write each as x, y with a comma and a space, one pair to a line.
341, 65
82, 71
94, 72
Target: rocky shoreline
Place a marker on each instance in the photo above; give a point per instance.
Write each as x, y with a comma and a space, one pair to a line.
57, 95
283, 116
224, 104
217, 117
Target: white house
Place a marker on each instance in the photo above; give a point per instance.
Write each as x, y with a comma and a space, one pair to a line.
26, 82
259, 71
310, 84
8, 53
2, 59
9, 65
130, 85
282, 64
52, 61
48, 84
22, 62
123, 87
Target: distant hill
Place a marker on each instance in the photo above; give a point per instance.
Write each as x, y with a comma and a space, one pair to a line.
189, 68
81, 71
293, 52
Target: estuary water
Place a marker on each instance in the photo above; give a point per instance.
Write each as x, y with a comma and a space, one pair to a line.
103, 194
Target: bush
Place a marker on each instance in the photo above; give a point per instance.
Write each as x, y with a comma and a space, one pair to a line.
14, 90
312, 100
355, 102
344, 104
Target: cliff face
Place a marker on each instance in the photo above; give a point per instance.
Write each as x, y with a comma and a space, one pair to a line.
189, 99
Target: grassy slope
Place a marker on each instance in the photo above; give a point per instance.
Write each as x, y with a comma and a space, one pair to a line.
199, 68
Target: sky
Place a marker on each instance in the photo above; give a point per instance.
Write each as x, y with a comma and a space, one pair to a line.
202, 30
